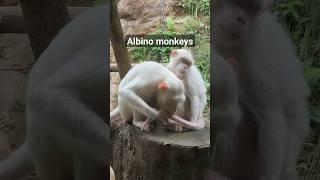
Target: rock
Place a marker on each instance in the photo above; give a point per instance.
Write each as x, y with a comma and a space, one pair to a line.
12, 121
114, 83
142, 17
15, 52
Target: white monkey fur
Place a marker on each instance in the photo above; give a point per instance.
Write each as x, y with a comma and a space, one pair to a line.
195, 91
139, 94
67, 135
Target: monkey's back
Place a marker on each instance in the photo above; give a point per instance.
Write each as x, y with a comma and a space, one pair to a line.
146, 72
75, 61
79, 48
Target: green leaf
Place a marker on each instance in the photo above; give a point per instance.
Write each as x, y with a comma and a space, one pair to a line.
312, 75
315, 113
98, 2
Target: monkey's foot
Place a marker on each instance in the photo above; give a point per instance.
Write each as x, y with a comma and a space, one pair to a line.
143, 125
146, 126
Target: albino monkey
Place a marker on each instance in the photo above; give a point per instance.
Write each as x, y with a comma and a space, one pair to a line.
67, 134
146, 87
272, 91
190, 113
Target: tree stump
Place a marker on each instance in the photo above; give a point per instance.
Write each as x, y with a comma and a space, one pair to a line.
160, 154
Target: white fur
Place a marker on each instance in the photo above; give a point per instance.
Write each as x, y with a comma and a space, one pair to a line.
67, 133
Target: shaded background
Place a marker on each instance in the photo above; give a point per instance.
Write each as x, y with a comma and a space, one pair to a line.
302, 19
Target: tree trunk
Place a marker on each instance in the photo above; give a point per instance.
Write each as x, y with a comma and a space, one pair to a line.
159, 155
43, 21
12, 20
117, 40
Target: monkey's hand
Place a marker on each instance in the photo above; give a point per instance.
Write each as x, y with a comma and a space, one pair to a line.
170, 123
174, 126
159, 115
146, 125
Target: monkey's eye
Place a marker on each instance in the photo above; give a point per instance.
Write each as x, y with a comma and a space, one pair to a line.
186, 62
250, 6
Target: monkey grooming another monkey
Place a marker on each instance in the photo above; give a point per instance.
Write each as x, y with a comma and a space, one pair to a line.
272, 92
190, 113
146, 87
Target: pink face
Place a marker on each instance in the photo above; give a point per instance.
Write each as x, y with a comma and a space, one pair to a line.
181, 64
233, 19
182, 67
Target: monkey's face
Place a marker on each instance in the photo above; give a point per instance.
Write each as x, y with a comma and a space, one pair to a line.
169, 100
233, 19
182, 67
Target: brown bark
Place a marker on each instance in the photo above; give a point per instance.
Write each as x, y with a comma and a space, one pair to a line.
12, 20
43, 21
117, 40
159, 155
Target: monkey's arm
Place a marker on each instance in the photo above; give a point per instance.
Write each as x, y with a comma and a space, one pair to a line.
115, 114
196, 111
183, 122
70, 114
131, 98
188, 124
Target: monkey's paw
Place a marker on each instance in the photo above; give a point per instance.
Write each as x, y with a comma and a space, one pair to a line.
174, 126
146, 126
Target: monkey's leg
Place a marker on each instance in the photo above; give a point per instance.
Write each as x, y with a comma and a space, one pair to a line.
272, 138
196, 120
139, 121
85, 169
115, 114
70, 115
226, 117
137, 103
17, 164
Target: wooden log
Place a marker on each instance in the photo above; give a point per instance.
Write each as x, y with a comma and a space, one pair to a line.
12, 21
160, 154
117, 39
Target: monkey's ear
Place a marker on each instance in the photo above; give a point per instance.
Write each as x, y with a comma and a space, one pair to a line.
174, 53
266, 4
163, 86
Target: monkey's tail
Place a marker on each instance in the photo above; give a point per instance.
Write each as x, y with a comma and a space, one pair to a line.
16, 165
115, 114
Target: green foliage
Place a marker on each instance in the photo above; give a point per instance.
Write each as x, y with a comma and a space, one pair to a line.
158, 54
196, 7
98, 2
302, 19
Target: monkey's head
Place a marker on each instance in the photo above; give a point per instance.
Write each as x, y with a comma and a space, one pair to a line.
180, 62
171, 93
233, 19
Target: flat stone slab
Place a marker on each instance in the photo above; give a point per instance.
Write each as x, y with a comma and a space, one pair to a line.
200, 138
